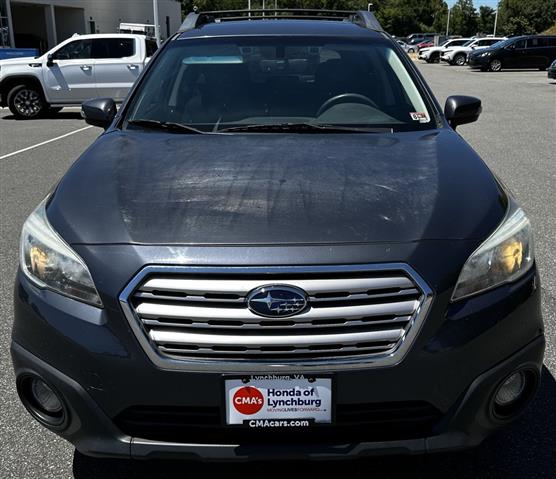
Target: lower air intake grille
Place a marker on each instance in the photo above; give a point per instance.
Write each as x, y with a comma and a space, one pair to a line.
351, 313
353, 423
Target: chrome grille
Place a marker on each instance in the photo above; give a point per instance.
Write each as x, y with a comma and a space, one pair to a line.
196, 314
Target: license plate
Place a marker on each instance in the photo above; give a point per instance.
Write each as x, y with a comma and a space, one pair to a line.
278, 400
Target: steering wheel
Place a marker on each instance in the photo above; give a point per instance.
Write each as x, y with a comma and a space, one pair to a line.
342, 99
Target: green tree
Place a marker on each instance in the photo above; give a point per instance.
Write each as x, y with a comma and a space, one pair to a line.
518, 25
402, 17
486, 19
517, 17
464, 18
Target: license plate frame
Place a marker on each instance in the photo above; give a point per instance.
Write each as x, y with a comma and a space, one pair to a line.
323, 415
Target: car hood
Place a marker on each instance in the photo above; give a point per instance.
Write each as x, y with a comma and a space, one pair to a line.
146, 187
17, 61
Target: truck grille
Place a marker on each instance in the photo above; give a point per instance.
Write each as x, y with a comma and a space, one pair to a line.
187, 314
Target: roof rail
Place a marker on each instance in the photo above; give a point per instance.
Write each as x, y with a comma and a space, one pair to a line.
359, 17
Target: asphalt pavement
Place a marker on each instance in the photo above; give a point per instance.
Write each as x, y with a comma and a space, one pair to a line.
516, 136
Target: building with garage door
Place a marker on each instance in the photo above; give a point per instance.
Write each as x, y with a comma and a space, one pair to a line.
43, 24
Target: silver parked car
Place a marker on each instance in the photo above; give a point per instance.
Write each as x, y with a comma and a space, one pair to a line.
408, 48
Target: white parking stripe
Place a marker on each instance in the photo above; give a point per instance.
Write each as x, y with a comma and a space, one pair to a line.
44, 142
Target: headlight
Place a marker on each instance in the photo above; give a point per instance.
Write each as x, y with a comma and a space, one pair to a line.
49, 262
505, 256
485, 54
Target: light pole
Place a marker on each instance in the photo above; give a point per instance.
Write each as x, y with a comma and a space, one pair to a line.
156, 27
448, 23
496, 19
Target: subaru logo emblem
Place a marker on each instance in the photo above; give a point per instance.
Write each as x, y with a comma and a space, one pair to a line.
277, 301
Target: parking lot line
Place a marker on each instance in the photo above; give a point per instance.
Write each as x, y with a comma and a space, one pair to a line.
44, 142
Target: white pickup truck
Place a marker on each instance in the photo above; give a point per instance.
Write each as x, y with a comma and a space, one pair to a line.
81, 67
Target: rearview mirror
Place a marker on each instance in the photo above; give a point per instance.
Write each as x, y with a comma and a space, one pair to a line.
49, 60
460, 110
99, 112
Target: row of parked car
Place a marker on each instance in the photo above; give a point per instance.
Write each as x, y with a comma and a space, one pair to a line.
494, 53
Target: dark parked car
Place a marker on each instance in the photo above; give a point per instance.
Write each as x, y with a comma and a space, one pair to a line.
537, 51
278, 247
552, 70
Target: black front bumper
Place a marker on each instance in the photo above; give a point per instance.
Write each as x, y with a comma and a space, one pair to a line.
465, 425
438, 398
478, 61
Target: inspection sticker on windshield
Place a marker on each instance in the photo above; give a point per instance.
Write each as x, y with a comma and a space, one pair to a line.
273, 400
419, 116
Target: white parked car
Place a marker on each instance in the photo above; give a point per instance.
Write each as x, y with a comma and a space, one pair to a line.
458, 55
432, 54
81, 67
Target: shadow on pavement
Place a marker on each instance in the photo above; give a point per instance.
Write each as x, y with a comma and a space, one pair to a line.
526, 449
63, 115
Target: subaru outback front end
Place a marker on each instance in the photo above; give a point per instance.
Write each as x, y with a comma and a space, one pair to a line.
279, 247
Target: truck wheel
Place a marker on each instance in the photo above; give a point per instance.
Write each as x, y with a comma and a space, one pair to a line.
26, 102
495, 65
460, 59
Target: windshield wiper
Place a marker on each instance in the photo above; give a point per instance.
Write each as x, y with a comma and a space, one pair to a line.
166, 125
304, 128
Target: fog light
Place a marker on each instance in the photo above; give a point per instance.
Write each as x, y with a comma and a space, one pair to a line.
42, 401
511, 389
514, 393
45, 397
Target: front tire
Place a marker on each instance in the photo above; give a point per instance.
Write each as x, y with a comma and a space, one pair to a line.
460, 59
495, 65
26, 102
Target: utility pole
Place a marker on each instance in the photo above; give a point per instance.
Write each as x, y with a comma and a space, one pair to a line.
156, 25
448, 23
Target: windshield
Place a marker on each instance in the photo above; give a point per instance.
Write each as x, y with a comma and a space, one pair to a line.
497, 44
503, 43
466, 44
222, 83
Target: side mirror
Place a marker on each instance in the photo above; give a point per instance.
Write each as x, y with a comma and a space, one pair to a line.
49, 60
460, 110
99, 112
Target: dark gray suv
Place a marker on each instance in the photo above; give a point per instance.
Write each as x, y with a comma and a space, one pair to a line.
279, 247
